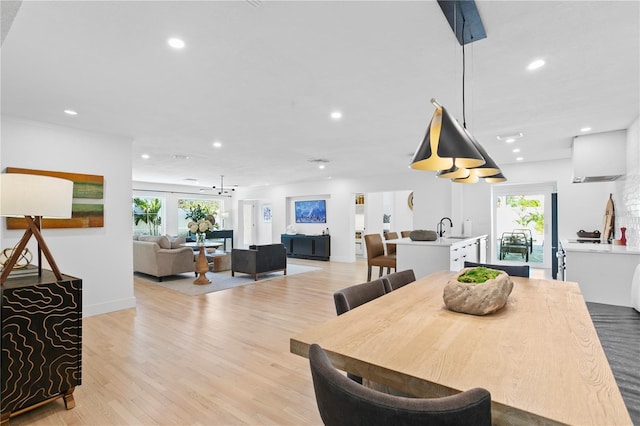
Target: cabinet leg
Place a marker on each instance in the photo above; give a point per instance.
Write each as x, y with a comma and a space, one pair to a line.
69, 402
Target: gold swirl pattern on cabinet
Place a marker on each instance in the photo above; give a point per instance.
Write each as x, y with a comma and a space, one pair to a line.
41, 341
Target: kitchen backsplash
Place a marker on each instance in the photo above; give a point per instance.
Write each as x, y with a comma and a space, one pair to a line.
628, 214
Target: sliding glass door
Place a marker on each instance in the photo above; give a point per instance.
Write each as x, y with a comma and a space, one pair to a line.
522, 224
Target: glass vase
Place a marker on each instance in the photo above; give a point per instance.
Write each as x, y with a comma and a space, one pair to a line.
200, 237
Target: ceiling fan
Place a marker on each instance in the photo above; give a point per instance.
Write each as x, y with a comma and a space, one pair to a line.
222, 191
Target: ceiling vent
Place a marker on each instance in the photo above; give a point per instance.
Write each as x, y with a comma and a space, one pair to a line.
600, 157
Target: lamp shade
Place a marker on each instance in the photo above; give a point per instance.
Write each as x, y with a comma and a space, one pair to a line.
446, 140
471, 178
454, 172
35, 195
495, 178
489, 168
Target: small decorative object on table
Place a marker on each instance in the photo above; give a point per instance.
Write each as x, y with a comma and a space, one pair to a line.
623, 236
477, 291
423, 235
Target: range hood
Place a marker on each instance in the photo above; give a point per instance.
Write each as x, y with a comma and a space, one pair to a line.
599, 157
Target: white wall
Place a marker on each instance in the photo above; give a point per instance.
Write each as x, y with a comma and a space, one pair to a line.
102, 257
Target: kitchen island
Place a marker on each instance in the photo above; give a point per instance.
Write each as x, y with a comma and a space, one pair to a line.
603, 271
448, 253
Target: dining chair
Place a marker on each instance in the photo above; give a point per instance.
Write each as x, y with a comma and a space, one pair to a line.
512, 270
356, 295
391, 248
344, 402
398, 279
376, 256
405, 234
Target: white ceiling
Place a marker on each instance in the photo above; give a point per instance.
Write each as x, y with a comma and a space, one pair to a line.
263, 76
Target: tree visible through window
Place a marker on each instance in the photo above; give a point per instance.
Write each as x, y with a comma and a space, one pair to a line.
147, 215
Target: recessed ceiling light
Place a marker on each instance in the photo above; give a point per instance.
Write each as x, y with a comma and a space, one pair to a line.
516, 150
217, 144
538, 63
70, 112
519, 158
145, 156
585, 129
336, 115
510, 137
321, 166
176, 43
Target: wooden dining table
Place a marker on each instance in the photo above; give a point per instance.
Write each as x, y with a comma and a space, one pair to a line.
539, 356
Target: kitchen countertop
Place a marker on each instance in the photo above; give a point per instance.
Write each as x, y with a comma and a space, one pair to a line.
440, 242
599, 248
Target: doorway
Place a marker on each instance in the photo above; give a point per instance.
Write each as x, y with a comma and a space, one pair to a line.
247, 230
522, 225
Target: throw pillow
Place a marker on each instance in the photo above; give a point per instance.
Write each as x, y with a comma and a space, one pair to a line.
162, 240
176, 241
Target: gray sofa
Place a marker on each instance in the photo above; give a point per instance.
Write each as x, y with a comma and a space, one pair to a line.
161, 256
259, 259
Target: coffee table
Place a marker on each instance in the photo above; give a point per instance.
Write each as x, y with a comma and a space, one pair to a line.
202, 266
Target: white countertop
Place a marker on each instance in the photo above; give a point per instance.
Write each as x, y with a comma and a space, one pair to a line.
440, 242
599, 248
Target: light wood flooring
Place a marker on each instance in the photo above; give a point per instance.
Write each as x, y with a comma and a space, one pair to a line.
217, 359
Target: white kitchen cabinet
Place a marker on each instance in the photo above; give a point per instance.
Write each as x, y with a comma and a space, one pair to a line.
426, 257
604, 272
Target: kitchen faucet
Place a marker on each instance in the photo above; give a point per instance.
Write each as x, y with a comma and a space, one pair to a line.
439, 228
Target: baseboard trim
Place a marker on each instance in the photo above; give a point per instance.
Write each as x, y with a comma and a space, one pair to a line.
111, 306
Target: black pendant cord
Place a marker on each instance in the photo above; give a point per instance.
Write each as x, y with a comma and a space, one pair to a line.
464, 67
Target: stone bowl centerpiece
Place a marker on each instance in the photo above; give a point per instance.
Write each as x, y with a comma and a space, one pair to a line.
477, 291
423, 235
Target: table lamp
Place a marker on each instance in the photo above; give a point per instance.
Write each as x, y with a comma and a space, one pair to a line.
34, 197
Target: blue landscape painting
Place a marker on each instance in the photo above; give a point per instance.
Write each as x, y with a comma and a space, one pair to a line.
314, 211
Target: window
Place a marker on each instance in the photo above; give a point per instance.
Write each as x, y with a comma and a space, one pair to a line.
147, 215
194, 210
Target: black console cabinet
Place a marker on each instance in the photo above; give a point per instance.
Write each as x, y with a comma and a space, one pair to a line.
41, 341
316, 247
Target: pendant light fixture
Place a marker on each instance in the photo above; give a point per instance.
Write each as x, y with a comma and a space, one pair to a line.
445, 140
447, 146
495, 178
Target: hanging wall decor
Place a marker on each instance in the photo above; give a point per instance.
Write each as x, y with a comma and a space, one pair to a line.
87, 209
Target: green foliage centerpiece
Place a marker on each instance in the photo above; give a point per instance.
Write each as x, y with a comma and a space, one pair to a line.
477, 291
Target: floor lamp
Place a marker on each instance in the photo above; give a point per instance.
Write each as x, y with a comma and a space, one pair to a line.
34, 197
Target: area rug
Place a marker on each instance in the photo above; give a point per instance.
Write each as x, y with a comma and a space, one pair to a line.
219, 280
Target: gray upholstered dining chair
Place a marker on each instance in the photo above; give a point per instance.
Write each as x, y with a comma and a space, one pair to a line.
356, 295
512, 270
344, 402
398, 279
376, 256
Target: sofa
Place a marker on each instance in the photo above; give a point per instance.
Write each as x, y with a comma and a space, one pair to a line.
259, 259
162, 256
